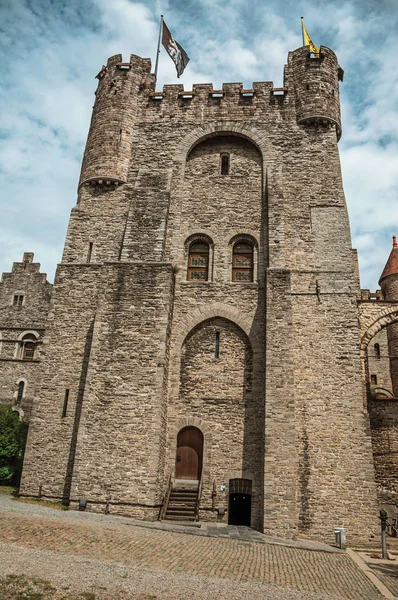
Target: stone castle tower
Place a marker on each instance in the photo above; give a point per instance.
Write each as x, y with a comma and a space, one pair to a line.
389, 287
203, 337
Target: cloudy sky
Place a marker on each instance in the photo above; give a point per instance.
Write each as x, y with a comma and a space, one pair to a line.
50, 51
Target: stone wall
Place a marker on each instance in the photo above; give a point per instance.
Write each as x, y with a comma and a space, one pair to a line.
379, 364
125, 336
384, 422
27, 315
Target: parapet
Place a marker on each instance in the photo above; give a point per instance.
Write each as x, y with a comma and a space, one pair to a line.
204, 91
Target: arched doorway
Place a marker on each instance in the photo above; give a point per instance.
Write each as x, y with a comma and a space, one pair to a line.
189, 455
240, 502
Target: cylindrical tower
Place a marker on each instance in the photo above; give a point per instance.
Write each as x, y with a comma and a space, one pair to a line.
389, 285
316, 87
115, 110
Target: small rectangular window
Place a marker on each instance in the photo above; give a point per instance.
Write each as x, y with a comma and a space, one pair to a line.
21, 386
90, 252
65, 407
224, 164
217, 349
28, 351
373, 379
18, 300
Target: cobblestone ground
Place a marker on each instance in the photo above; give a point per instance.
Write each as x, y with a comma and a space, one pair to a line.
38, 536
385, 570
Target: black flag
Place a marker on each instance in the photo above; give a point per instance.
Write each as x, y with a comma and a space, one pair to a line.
174, 50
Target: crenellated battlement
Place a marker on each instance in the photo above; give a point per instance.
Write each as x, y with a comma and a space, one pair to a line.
127, 97
206, 90
369, 296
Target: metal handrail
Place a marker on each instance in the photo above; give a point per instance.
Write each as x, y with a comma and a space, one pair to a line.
198, 499
166, 498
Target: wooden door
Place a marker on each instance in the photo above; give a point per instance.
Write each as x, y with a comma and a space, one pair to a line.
189, 453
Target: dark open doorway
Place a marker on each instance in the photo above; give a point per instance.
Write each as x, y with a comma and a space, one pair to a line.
240, 502
189, 453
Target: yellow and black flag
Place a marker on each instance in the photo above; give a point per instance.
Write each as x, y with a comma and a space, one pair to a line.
307, 41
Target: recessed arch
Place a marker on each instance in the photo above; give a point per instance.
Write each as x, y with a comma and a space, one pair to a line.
199, 134
204, 313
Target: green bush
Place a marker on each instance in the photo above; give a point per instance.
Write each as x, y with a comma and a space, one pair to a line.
12, 445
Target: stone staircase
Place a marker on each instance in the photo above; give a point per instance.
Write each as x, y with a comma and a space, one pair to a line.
182, 504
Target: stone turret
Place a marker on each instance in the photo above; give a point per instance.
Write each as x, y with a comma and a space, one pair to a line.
316, 87
108, 147
389, 285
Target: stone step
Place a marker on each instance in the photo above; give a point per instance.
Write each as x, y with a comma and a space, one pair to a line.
183, 497
179, 510
174, 517
180, 507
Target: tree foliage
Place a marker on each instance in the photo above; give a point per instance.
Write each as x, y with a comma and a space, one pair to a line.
12, 445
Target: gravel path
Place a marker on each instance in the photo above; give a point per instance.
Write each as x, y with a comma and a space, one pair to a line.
85, 575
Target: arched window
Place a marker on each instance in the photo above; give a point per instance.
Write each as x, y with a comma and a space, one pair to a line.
198, 261
242, 261
28, 346
21, 386
377, 350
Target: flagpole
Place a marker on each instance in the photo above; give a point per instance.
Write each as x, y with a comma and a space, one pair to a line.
158, 50
302, 29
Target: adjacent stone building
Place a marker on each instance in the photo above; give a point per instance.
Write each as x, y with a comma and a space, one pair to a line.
202, 354
24, 301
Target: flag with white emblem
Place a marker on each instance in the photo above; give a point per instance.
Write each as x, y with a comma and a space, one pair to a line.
174, 50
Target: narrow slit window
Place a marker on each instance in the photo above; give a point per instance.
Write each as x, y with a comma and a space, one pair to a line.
65, 406
198, 262
377, 350
224, 164
18, 300
242, 262
90, 252
21, 386
217, 348
373, 379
